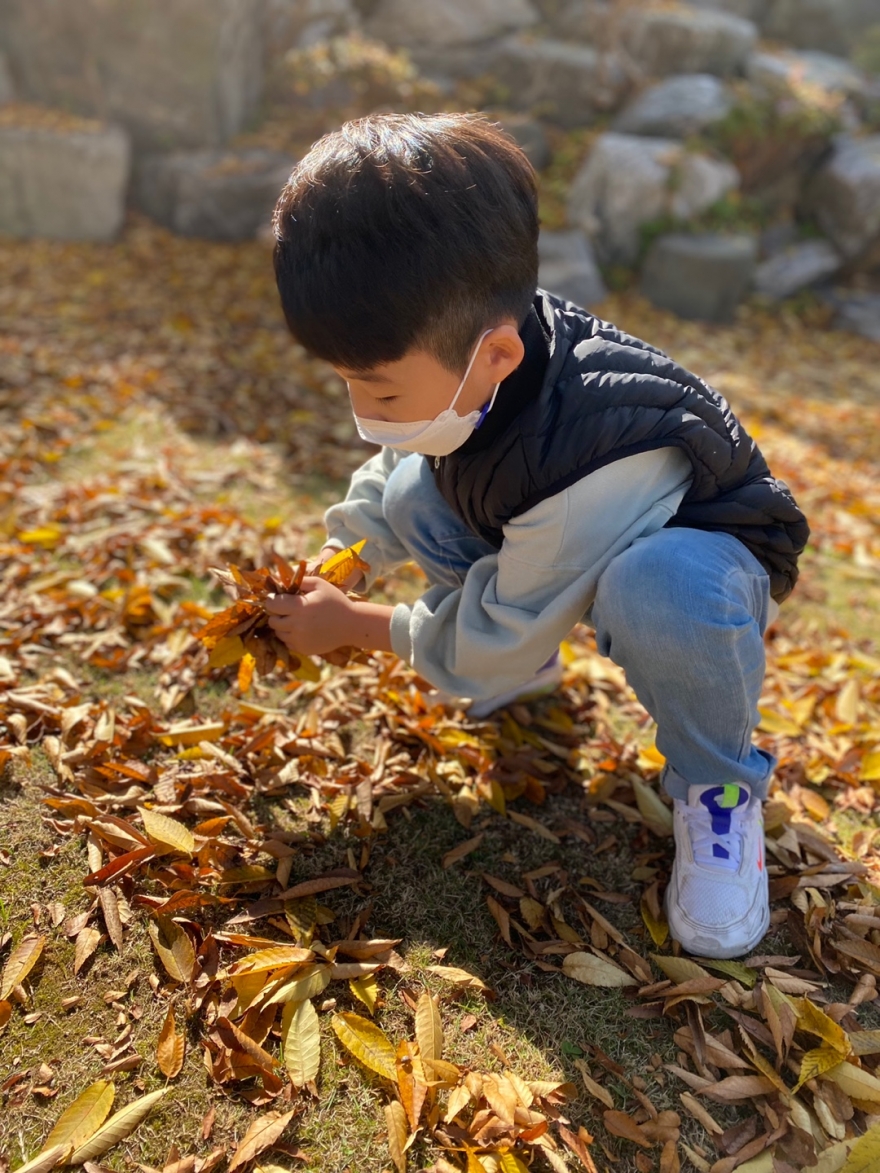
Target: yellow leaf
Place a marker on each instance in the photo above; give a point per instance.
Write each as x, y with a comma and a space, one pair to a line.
398, 1133
459, 977
46, 1159
846, 708
429, 1028
679, 969
855, 1081
652, 808
174, 948
776, 723
167, 833
870, 771
366, 989
21, 961
274, 957
226, 651
308, 670
341, 565
46, 535
308, 983
596, 971
246, 672
367, 1043
816, 1022
83, 1117
659, 929
170, 1048
864, 1156
301, 1035
262, 1133
117, 1128
510, 1163
191, 734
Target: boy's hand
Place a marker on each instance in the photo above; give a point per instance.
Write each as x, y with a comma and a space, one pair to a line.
321, 619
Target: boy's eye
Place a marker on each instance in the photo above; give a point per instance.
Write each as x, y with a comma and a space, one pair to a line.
387, 399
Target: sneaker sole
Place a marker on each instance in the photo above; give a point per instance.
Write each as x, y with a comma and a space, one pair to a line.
704, 946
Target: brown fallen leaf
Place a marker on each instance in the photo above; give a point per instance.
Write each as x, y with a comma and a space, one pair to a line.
262, 1133
170, 1048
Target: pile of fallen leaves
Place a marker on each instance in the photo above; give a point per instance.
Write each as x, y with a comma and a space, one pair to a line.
111, 573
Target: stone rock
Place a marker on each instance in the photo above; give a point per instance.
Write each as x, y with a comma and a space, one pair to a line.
7, 89
446, 22
859, 313
217, 195
776, 72
297, 24
568, 267
796, 268
703, 277
629, 181
689, 40
570, 84
677, 107
747, 9
845, 195
63, 181
173, 74
531, 136
833, 26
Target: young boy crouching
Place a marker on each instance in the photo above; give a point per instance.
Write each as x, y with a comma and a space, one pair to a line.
544, 469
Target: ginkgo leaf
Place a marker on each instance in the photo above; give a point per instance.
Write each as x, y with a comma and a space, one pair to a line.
21, 961
596, 971
367, 1043
341, 565
174, 947
83, 1117
864, 1156
301, 1036
429, 1028
398, 1133
46, 1159
366, 990
118, 1127
167, 833
170, 1047
263, 1132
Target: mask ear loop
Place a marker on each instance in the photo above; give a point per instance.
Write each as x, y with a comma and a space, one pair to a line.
468, 371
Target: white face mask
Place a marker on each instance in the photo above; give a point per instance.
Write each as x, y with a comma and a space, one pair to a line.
436, 437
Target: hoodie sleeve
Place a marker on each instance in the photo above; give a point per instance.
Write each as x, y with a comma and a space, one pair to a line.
360, 515
516, 606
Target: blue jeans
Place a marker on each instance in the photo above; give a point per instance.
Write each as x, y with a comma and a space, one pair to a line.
682, 611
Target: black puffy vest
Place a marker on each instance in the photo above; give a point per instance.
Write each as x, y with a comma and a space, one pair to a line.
587, 394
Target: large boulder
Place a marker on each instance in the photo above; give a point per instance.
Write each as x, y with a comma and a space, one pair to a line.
859, 313
7, 89
689, 40
569, 84
845, 196
446, 23
748, 9
568, 267
796, 267
784, 72
172, 72
833, 26
531, 137
217, 195
677, 107
297, 24
61, 178
629, 181
703, 277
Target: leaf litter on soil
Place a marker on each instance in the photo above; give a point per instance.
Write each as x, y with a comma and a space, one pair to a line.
111, 573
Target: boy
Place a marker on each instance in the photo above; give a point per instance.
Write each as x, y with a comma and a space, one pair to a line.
543, 468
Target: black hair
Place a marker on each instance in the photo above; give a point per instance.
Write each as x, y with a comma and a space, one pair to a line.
406, 231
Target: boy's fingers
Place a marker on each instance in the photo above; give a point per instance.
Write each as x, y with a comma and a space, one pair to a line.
282, 604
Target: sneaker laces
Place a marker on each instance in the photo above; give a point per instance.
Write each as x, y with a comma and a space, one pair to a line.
714, 824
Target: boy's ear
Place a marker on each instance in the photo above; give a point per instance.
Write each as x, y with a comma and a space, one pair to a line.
504, 351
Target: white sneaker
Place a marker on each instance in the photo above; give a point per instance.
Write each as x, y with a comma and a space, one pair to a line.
546, 680
717, 901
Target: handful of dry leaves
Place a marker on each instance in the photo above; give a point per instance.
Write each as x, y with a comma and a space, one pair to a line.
241, 633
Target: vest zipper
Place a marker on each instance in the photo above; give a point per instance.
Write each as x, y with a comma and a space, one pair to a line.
436, 462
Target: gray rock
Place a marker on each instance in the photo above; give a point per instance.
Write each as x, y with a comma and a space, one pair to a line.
747, 9
795, 268
531, 136
629, 181
446, 22
778, 72
677, 107
570, 84
845, 195
833, 26
690, 40
703, 277
7, 89
63, 184
217, 195
171, 73
296, 24
859, 313
568, 267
